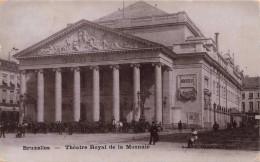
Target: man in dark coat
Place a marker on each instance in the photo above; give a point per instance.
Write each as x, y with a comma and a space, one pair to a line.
215, 126
180, 126
153, 133
2, 130
234, 124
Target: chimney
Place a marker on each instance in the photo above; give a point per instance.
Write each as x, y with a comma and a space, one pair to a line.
216, 40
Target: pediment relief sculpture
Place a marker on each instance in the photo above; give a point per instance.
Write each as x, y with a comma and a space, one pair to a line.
88, 39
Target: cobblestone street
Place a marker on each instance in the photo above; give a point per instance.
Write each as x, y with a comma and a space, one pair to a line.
13, 149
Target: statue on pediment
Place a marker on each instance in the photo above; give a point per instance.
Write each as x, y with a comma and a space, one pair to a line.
84, 40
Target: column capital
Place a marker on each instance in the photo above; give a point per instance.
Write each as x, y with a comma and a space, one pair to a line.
39, 71
167, 68
159, 64
95, 67
22, 72
115, 67
135, 65
57, 69
75, 68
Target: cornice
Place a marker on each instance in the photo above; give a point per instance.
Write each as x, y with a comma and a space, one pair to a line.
75, 54
213, 62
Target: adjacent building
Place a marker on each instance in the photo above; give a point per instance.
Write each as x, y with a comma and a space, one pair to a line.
9, 90
250, 99
133, 63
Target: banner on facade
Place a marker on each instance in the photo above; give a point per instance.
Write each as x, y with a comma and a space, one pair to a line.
187, 87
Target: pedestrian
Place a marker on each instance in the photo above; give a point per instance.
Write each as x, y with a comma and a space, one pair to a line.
59, 128
70, 129
23, 129
234, 124
3, 127
153, 134
215, 126
45, 127
180, 126
194, 137
19, 131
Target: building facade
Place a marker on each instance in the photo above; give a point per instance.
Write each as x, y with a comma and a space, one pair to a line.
250, 99
9, 90
98, 70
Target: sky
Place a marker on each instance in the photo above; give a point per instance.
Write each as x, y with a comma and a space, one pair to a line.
24, 23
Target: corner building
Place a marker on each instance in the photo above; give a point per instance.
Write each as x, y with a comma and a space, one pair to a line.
93, 71
9, 91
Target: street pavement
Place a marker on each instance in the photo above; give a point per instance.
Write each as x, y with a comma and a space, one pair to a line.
110, 147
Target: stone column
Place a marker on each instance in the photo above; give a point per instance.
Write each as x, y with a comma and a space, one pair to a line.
76, 94
116, 92
136, 87
22, 93
158, 92
40, 96
58, 95
167, 95
96, 94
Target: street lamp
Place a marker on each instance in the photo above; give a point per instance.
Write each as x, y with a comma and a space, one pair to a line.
164, 102
214, 106
23, 98
141, 100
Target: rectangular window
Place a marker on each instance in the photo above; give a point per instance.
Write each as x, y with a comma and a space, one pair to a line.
4, 79
4, 96
243, 95
251, 106
243, 107
18, 81
258, 95
251, 95
214, 88
11, 96
12, 79
17, 97
206, 82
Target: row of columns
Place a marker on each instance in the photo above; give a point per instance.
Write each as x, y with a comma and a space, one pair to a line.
96, 92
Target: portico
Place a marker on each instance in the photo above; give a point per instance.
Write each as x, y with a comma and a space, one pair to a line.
139, 62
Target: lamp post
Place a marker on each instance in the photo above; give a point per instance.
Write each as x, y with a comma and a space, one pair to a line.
214, 107
141, 100
23, 99
164, 102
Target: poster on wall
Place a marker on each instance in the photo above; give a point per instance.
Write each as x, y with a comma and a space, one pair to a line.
193, 118
187, 87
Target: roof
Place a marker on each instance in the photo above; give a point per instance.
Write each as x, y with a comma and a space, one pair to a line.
8, 65
149, 44
251, 82
138, 9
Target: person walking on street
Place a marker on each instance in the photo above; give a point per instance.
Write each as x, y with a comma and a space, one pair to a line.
194, 136
153, 134
180, 126
234, 124
23, 129
2, 130
215, 126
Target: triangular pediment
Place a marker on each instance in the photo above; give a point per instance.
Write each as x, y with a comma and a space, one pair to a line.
87, 37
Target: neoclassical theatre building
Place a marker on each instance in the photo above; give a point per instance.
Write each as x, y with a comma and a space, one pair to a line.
93, 71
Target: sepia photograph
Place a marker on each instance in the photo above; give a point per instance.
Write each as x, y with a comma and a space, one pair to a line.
120, 80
